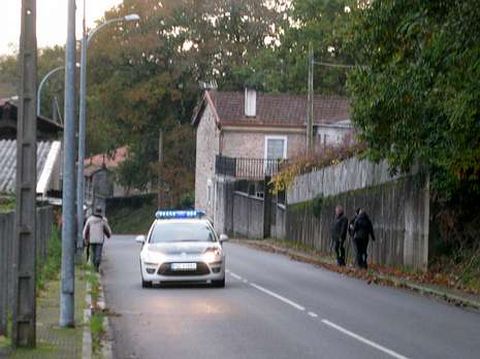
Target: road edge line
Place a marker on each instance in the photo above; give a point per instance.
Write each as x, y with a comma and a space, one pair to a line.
363, 340
278, 296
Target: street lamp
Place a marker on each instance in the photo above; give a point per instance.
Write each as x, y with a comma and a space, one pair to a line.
87, 37
42, 83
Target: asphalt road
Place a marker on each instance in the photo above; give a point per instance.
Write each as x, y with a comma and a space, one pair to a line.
273, 307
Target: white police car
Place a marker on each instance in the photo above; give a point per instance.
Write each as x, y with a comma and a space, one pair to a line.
181, 246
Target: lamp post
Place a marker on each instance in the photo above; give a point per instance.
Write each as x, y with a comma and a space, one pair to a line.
86, 39
44, 80
40, 87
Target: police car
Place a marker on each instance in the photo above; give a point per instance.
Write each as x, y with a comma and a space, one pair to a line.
182, 246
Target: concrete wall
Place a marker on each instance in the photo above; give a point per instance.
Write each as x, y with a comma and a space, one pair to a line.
224, 205
247, 216
399, 208
279, 221
348, 175
208, 142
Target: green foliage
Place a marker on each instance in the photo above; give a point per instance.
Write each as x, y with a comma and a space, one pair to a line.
7, 204
50, 269
317, 204
416, 97
48, 59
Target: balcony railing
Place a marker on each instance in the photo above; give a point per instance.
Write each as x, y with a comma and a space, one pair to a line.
247, 168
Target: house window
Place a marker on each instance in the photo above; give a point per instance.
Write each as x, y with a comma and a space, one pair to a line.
275, 147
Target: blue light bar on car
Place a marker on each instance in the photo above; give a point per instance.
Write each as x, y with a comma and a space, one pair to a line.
170, 214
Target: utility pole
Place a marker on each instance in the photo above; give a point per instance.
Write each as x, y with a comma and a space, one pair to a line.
310, 134
24, 247
67, 309
160, 164
81, 134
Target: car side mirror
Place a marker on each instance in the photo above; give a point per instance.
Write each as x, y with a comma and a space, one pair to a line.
223, 238
140, 239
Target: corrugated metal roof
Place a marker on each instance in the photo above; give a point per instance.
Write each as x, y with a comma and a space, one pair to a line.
8, 162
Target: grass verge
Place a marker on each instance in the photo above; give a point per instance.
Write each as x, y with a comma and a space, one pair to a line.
98, 316
127, 220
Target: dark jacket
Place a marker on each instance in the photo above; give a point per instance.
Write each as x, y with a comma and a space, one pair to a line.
339, 228
362, 227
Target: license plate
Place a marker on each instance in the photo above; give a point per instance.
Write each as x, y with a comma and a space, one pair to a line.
183, 266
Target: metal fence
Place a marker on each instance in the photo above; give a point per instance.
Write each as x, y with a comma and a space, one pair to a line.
45, 220
247, 168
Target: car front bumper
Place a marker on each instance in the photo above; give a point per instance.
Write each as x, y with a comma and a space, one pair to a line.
163, 272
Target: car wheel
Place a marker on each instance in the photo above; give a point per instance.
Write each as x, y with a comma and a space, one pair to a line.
146, 284
219, 283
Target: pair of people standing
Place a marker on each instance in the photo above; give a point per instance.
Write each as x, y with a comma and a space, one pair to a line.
360, 229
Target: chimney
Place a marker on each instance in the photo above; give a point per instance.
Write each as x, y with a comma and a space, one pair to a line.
250, 102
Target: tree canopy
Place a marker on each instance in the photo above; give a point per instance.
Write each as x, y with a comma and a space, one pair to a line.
416, 96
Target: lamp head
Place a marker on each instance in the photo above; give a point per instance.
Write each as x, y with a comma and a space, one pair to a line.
132, 17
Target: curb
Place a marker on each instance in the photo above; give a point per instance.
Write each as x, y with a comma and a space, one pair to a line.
107, 352
87, 334
388, 280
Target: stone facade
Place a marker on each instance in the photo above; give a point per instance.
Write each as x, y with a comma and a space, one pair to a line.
208, 146
250, 142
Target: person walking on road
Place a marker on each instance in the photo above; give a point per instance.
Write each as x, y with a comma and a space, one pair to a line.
339, 234
94, 232
362, 231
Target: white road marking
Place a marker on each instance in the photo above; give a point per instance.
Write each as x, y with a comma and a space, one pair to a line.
312, 314
278, 296
363, 340
245, 281
236, 276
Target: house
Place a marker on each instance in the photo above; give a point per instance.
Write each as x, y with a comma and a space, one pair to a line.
48, 167
100, 181
255, 130
49, 151
47, 129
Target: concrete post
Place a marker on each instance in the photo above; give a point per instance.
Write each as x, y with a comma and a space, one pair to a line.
67, 309
24, 247
267, 208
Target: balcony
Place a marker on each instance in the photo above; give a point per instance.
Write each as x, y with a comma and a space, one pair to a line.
247, 168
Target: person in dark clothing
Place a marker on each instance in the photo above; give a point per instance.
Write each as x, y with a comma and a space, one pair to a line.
351, 224
362, 231
339, 234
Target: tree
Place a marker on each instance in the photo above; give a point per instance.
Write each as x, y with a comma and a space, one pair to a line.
145, 78
416, 96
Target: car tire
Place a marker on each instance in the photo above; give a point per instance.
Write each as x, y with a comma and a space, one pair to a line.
219, 283
146, 284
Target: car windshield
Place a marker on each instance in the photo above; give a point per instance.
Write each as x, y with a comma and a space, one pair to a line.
181, 232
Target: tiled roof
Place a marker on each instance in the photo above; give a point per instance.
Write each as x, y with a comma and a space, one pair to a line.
94, 163
278, 109
8, 162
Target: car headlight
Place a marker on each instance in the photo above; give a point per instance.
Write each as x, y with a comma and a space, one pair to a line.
212, 255
152, 259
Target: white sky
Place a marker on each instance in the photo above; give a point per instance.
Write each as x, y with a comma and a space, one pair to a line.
51, 21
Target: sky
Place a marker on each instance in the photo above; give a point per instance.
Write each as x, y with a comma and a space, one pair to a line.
51, 21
